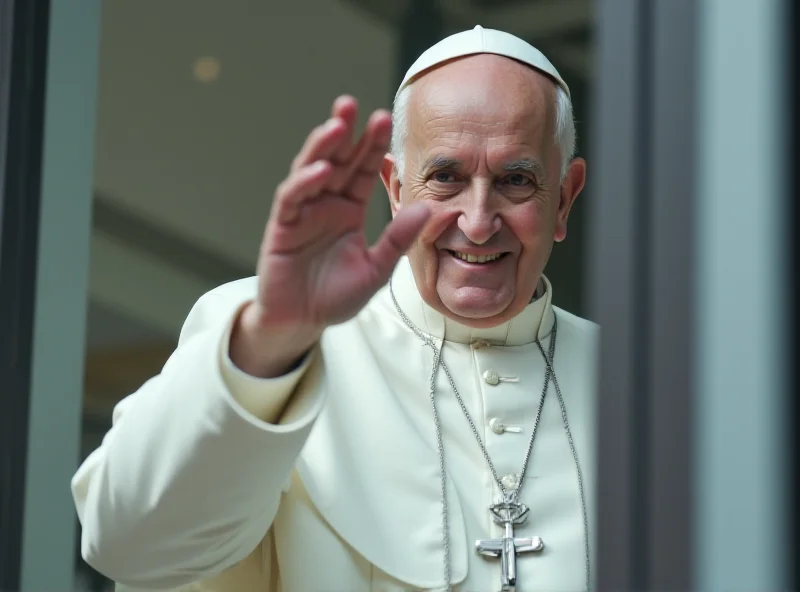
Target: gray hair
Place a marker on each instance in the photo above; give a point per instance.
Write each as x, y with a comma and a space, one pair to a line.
565, 135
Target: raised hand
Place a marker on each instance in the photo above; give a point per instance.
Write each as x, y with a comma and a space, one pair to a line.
315, 268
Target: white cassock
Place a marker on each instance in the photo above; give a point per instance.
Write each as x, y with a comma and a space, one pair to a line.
191, 488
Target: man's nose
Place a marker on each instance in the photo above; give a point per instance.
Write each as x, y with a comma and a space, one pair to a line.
478, 220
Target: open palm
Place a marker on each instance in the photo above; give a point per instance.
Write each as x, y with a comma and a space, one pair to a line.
315, 268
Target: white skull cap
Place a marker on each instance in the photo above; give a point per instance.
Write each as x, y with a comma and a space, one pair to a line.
480, 40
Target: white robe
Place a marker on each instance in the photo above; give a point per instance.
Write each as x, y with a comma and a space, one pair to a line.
191, 488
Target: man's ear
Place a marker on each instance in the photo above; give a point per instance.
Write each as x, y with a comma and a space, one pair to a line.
571, 186
392, 182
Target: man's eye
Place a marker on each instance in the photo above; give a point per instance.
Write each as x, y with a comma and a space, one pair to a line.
444, 177
516, 180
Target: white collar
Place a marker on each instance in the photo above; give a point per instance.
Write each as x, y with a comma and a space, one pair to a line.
534, 322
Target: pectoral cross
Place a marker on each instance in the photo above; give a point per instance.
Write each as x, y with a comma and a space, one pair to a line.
508, 514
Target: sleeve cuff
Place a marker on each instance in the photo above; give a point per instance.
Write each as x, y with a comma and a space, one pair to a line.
267, 398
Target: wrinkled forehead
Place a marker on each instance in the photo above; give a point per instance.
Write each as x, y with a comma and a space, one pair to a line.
482, 97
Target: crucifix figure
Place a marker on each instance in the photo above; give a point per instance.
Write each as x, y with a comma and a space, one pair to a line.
508, 513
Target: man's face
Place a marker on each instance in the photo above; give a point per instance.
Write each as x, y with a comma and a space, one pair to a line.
480, 152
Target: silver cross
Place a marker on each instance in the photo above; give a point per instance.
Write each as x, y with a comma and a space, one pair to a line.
508, 513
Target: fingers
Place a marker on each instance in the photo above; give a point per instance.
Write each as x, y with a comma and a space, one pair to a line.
346, 109
301, 185
321, 143
359, 177
396, 239
333, 139
356, 167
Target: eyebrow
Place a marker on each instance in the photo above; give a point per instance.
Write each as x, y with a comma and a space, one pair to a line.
525, 165
438, 162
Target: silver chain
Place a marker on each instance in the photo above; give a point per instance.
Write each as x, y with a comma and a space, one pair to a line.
574, 451
549, 375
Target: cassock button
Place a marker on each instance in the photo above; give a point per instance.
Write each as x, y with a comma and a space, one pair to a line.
491, 377
497, 426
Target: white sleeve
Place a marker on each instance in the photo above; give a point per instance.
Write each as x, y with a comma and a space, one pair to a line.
188, 480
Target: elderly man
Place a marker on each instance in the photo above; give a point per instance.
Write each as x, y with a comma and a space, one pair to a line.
451, 403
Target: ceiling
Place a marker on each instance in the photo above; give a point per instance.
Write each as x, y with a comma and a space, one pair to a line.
561, 28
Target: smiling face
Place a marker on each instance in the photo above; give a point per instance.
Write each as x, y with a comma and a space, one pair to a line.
480, 152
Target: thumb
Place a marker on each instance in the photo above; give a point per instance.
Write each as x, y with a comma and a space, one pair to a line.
396, 239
